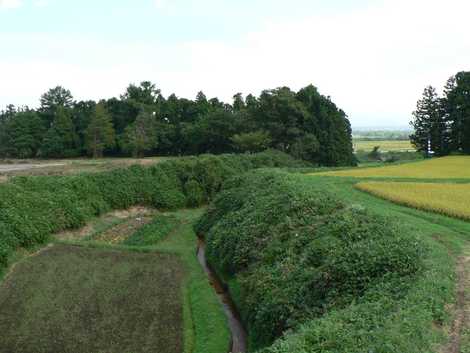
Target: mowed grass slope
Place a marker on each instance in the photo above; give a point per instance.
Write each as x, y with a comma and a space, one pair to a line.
78, 299
453, 167
446, 198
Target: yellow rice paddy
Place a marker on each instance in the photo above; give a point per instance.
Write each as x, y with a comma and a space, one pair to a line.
449, 199
385, 146
453, 167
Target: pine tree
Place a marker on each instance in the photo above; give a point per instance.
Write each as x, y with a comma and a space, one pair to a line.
21, 135
457, 110
61, 140
140, 136
99, 134
429, 124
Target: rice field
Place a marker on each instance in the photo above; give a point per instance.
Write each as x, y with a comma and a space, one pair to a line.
453, 167
385, 145
445, 198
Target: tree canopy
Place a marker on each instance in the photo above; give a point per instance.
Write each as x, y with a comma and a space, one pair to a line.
305, 124
443, 123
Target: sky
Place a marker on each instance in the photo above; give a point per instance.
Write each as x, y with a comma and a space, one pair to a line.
373, 57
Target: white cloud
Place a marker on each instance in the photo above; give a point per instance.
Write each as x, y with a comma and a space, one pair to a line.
41, 3
374, 62
161, 4
10, 4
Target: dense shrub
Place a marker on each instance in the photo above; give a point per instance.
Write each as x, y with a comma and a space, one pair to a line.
31, 208
295, 252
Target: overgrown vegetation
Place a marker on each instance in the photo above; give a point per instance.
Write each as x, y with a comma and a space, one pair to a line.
71, 299
294, 253
32, 208
142, 122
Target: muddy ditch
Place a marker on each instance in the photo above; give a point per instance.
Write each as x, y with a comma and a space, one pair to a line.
239, 335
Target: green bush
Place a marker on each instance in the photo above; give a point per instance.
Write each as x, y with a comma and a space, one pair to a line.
31, 208
296, 252
194, 192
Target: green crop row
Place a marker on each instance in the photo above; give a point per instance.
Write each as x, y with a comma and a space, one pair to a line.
294, 255
32, 208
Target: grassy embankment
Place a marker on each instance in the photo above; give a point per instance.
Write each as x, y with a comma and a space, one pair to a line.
440, 185
388, 311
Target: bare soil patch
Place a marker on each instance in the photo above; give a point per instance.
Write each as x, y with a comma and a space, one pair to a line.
112, 227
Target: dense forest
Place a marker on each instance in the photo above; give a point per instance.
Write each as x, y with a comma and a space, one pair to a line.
442, 123
143, 122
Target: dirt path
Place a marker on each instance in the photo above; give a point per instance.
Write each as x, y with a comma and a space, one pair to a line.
458, 343
8, 168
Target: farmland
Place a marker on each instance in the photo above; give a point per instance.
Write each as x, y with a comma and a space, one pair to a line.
385, 145
311, 262
446, 198
93, 300
92, 215
454, 167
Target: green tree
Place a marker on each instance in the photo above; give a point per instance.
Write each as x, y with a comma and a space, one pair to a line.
238, 102
256, 141
281, 115
21, 135
429, 124
140, 136
54, 99
82, 113
330, 126
100, 133
210, 134
305, 147
146, 94
456, 106
61, 139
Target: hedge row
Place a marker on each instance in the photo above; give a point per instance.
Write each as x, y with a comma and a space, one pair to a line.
32, 208
293, 252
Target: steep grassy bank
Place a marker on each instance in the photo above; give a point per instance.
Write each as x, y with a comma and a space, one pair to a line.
32, 208
325, 265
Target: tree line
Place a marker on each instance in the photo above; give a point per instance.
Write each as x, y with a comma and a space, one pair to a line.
143, 122
442, 122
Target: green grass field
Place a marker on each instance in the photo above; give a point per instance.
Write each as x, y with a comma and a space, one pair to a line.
385, 145
77, 299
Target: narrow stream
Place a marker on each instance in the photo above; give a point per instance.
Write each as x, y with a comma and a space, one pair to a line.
239, 336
